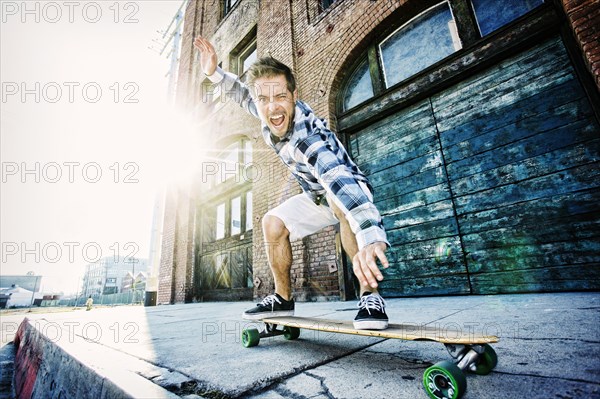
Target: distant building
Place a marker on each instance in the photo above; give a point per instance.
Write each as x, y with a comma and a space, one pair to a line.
16, 297
48, 300
29, 282
106, 276
137, 284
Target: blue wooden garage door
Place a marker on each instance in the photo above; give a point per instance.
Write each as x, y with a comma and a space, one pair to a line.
492, 185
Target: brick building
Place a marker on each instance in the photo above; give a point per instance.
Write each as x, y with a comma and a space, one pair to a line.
476, 122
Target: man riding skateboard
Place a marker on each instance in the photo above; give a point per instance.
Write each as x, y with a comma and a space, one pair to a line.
335, 190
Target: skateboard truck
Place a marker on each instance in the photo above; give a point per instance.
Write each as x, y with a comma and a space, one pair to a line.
288, 332
251, 337
466, 355
477, 358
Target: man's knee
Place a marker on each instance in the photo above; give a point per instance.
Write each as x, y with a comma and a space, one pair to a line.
274, 228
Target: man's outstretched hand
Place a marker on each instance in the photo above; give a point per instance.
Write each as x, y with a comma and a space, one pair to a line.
208, 55
365, 266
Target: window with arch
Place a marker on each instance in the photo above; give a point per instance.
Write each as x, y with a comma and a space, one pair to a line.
427, 38
230, 172
492, 14
244, 54
232, 164
227, 6
360, 86
325, 4
232, 217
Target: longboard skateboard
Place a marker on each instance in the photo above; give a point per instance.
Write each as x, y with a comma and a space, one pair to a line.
470, 351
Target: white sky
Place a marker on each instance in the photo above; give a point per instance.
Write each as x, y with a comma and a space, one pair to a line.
149, 135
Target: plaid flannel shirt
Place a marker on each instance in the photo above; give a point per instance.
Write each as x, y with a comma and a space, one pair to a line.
317, 159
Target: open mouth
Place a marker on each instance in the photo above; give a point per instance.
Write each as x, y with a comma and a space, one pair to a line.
277, 120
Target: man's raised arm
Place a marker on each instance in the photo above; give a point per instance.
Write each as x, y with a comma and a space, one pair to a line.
231, 86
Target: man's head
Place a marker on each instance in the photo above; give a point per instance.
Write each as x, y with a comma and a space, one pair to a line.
273, 88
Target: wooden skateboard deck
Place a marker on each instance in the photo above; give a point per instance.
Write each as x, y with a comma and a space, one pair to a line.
410, 332
444, 380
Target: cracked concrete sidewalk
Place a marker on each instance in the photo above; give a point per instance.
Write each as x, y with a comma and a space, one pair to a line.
549, 347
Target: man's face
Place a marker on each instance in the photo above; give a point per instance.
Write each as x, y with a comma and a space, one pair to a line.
275, 103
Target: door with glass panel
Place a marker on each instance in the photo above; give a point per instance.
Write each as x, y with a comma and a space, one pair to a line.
224, 227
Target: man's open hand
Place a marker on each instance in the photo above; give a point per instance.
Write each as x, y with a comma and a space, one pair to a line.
365, 266
208, 55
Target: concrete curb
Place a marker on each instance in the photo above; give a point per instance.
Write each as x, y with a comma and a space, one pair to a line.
7, 366
50, 367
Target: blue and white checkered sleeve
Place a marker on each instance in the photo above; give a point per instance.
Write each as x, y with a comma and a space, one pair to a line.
341, 185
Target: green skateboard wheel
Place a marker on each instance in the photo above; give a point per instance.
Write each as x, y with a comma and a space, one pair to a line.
250, 337
291, 333
487, 361
444, 380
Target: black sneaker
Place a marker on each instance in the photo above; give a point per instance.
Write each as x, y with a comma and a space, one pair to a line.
271, 306
371, 313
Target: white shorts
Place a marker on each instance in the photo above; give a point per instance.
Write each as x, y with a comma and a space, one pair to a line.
302, 217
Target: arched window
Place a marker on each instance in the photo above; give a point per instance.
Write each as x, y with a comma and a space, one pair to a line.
360, 87
424, 40
493, 14
231, 164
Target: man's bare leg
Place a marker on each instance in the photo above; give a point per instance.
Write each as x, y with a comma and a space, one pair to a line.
371, 314
349, 243
279, 254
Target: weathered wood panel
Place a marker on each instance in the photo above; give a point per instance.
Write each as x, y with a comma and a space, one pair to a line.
427, 184
443, 265
557, 278
579, 178
498, 88
551, 209
551, 162
436, 285
526, 253
223, 271
407, 126
538, 113
522, 152
510, 158
402, 156
522, 112
538, 144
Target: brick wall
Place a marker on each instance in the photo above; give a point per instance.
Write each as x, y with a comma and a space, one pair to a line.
184, 76
165, 272
584, 19
183, 254
177, 258
275, 37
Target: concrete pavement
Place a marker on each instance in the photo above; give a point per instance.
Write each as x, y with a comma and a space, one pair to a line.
549, 347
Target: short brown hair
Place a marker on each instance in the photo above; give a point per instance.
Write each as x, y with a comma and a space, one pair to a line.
269, 67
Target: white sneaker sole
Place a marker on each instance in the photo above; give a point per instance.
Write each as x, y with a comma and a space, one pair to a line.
371, 325
260, 316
